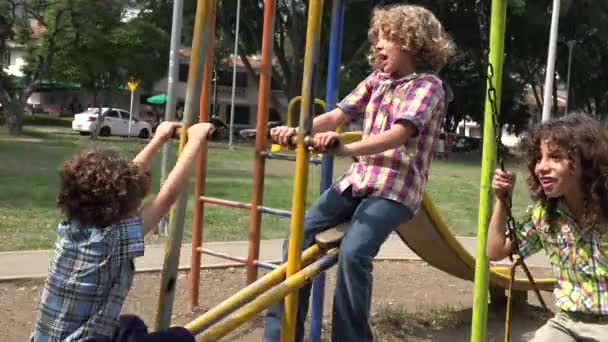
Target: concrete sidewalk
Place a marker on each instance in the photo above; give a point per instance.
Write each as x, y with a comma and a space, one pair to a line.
34, 264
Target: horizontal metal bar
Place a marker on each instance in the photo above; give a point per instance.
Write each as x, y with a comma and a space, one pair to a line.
242, 205
262, 264
278, 212
227, 203
288, 156
247, 294
221, 255
266, 299
266, 265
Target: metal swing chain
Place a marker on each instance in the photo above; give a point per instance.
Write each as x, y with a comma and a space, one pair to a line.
515, 255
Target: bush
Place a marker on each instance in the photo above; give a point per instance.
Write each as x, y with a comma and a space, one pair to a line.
45, 120
40, 120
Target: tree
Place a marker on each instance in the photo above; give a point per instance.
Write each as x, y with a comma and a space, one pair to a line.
288, 44
81, 41
586, 25
91, 60
467, 21
106, 57
44, 28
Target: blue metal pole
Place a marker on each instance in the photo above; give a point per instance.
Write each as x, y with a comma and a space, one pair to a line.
327, 167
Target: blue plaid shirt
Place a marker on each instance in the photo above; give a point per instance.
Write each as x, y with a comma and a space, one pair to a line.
89, 278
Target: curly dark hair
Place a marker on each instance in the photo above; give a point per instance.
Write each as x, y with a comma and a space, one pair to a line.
99, 187
574, 135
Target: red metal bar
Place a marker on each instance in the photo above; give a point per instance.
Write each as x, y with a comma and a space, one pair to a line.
201, 172
257, 185
227, 203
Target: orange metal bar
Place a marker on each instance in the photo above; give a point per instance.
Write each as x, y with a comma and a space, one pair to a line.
226, 203
207, 251
257, 185
201, 172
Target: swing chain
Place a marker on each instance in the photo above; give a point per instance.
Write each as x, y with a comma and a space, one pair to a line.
511, 224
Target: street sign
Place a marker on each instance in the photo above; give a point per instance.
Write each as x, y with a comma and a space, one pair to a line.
133, 85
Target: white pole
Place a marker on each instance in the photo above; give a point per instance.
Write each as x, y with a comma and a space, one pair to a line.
130, 115
570, 48
550, 75
172, 80
236, 46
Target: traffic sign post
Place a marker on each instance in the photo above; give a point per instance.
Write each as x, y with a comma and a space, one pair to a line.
132, 84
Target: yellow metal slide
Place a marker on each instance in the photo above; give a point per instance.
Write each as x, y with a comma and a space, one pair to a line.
429, 237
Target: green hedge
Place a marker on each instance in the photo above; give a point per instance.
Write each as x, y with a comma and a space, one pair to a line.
41, 120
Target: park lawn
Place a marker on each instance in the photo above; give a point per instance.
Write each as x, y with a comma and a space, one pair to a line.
28, 185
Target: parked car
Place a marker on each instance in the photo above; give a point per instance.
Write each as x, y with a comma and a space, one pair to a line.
115, 122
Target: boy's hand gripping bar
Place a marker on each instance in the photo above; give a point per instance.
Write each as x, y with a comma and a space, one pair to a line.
333, 144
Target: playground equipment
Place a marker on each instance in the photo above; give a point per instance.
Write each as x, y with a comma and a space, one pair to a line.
426, 233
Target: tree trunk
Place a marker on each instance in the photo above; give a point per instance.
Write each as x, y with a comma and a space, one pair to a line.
14, 117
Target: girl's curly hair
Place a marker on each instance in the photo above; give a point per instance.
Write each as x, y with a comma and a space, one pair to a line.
99, 187
417, 30
576, 135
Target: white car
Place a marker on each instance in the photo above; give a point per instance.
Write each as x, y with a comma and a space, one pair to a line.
115, 122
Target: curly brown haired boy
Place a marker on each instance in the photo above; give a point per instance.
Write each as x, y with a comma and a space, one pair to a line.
101, 196
567, 161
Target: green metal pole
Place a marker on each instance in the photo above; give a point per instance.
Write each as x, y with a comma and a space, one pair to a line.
488, 163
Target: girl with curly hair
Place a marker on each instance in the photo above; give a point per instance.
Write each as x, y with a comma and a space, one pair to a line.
568, 180
100, 196
403, 104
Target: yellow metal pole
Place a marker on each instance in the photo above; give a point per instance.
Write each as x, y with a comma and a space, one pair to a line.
200, 44
290, 285
488, 162
292, 104
313, 36
245, 295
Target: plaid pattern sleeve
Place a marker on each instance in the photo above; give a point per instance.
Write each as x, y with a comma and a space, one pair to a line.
528, 237
89, 278
131, 239
420, 101
355, 103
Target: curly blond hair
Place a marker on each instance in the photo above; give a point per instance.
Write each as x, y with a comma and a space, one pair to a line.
417, 30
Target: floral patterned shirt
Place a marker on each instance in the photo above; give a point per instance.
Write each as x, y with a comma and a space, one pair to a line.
579, 258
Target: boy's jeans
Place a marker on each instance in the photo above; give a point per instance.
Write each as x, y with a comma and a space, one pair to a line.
372, 219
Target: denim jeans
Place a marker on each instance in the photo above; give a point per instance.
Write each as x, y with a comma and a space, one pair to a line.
372, 219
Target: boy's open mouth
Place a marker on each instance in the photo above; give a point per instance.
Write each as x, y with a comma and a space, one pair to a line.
381, 58
547, 182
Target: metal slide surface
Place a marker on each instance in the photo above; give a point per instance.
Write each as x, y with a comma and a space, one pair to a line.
429, 237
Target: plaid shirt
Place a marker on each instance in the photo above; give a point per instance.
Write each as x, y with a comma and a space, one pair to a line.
89, 278
579, 259
398, 174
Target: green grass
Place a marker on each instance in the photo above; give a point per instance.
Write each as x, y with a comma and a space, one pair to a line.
28, 185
